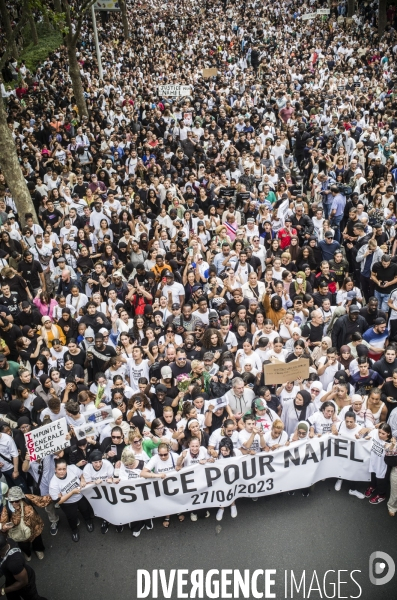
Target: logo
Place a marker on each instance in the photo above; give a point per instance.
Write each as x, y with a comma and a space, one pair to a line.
381, 568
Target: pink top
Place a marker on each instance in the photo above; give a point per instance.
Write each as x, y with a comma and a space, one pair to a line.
46, 310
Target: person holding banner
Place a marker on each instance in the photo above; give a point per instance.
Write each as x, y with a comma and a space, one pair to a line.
158, 466
64, 489
227, 450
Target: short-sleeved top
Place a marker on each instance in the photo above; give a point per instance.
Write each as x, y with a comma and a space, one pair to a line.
385, 274
126, 474
106, 471
66, 485
13, 564
157, 465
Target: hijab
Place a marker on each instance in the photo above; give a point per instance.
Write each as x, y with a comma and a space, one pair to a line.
345, 361
303, 276
306, 401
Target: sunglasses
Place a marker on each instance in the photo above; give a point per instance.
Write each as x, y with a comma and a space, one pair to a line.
163, 454
116, 437
137, 442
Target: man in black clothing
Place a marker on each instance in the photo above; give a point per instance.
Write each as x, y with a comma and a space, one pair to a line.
66, 283
32, 271
100, 354
313, 332
345, 326
94, 318
371, 311
10, 333
181, 365
384, 274
79, 454
302, 223
20, 579
29, 315
9, 299
301, 137
323, 294
387, 364
52, 216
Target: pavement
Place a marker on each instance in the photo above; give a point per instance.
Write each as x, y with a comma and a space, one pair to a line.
329, 530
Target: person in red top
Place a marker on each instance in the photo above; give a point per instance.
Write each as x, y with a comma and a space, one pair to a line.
328, 276
285, 234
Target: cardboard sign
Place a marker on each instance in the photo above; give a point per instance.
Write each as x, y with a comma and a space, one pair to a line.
173, 91
280, 372
47, 439
207, 73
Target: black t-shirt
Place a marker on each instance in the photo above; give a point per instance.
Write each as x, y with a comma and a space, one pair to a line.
255, 262
30, 272
176, 370
319, 298
106, 447
371, 316
78, 359
31, 385
11, 303
17, 284
98, 363
233, 305
313, 333
389, 389
75, 371
385, 274
52, 217
340, 269
14, 564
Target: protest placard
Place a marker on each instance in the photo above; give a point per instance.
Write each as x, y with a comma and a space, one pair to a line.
309, 16
279, 372
188, 118
212, 72
323, 11
47, 439
84, 431
173, 91
102, 416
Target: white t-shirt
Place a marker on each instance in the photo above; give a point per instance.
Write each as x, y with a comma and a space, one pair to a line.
320, 423
344, 432
176, 290
53, 416
105, 472
66, 485
328, 376
9, 449
377, 463
393, 312
158, 465
126, 474
194, 460
281, 440
253, 358
243, 436
286, 395
217, 436
230, 340
137, 371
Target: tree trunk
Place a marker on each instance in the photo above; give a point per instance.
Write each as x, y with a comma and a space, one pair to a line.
74, 72
12, 170
57, 6
33, 30
382, 17
124, 18
350, 7
8, 29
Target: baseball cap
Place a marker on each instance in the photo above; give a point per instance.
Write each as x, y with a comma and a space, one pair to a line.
354, 309
329, 234
379, 321
212, 315
166, 372
175, 306
351, 295
208, 356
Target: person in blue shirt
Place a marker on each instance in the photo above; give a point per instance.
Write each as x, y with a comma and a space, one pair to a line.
328, 246
337, 210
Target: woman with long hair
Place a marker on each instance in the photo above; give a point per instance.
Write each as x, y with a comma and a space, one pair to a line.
381, 438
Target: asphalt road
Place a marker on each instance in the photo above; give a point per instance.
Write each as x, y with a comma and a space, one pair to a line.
328, 530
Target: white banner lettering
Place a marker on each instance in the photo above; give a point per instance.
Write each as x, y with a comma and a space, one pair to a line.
217, 484
47, 439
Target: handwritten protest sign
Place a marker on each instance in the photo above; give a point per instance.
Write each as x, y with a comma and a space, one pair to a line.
309, 16
173, 91
280, 372
47, 439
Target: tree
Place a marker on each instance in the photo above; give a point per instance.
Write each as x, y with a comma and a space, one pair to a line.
382, 16
350, 7
73, 24
9, 162
124, 18
8, 30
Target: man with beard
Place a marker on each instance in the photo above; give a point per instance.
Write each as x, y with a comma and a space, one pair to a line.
345, 326
94, 319
32, 271
191, 352
100, 354
371, 311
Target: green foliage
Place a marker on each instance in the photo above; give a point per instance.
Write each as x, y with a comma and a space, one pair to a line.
49, 40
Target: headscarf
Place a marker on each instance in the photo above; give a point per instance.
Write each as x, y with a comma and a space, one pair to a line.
44, 332
318, 386
319, 351
345, 361
303, 276
43, 378
306, 401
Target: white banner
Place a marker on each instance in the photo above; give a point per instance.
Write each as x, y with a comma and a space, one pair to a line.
323, 11
174, 91
217, 484
308, 16
47, 439
107, 5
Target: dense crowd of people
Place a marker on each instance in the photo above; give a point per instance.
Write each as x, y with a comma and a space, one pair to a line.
183, 243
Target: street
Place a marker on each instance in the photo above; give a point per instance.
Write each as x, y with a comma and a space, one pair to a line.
328, 530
